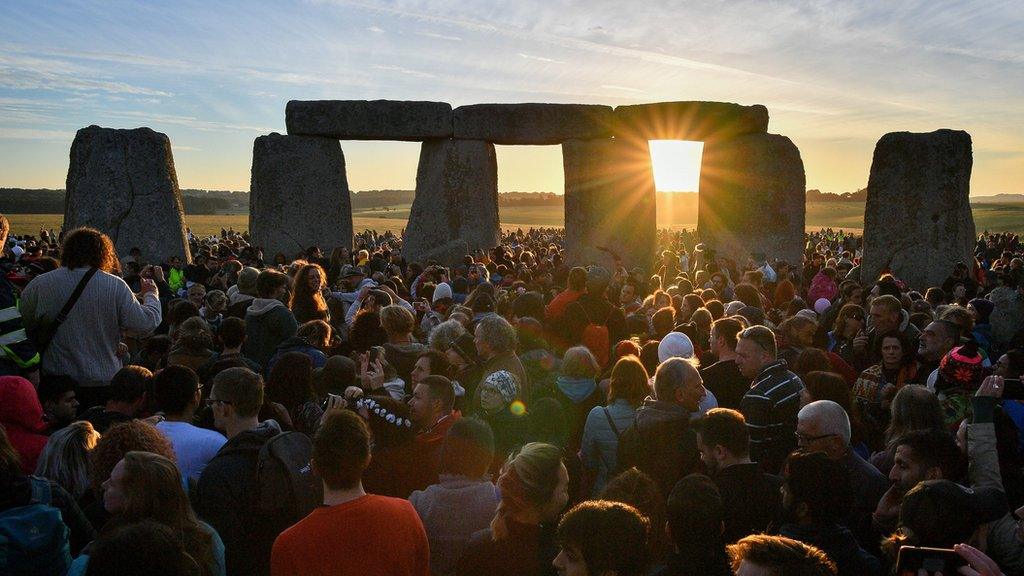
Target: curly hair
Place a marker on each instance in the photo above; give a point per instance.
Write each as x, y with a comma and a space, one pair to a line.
119, 440
88, 247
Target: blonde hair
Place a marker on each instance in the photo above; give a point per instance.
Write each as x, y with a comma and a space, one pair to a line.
527, 482
316, 332
396, 320
579, 362
65, 459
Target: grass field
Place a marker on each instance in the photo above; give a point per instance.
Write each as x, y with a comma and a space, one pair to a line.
845, 215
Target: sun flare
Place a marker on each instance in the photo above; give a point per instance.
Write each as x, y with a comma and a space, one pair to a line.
676, 165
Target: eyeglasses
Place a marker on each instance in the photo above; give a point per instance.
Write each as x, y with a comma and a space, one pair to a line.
212, 401
800, 438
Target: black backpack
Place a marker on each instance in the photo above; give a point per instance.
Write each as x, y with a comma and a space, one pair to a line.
288, 488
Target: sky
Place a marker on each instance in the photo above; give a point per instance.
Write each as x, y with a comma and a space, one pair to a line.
213, 76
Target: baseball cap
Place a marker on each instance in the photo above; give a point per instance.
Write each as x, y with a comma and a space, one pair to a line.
941, 513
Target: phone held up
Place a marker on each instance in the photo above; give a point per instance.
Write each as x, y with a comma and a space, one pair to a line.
912, 559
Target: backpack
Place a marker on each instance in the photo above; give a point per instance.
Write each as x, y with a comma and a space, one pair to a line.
286, 484
33, 538
596, 338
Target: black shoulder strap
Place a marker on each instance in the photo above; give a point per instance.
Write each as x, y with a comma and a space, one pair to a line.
611, 422
63, 314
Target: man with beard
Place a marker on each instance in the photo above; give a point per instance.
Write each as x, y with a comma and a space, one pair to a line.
816, 496
920, 455
937, 339
751, 500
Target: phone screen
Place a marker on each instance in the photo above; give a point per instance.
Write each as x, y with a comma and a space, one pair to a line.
912, 560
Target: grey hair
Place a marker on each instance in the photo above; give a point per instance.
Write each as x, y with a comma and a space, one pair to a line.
672, 374
65, 458
497, 333
831, 417
442, 335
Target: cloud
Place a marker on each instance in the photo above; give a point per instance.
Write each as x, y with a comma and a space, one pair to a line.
540, 58
375, 30
622, 88
439, 36
401, 70
30, 73
36, 134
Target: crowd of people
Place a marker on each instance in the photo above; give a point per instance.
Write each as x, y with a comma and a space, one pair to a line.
356, 413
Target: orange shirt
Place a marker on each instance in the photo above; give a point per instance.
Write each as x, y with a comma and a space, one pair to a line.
370, 535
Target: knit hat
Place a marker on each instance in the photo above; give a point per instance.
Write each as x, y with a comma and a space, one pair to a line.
941, 513
821, 305
983, 308
962, 368
441, 291
675, 345
505, 383
247, 281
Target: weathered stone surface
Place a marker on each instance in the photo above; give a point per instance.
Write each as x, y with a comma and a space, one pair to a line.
122, 182
752, 194
918, 221
689, 120
532, 123
369, 119
299, 195
455, 210
610, 205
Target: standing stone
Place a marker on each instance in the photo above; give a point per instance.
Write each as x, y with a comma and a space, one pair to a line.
299, 195
532, 124
701, 121
752, 195
610, 207
369, 119
122, 182
918, 221
455, 211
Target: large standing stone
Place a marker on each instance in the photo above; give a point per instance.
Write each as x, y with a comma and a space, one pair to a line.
918, 221
122, 182
532, 123
369, 119
610, 209
455, 211
298, 196
700, 121
752, 194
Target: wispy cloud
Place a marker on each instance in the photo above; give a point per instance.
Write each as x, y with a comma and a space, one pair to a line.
437, 36
375, 29
402, 70
540, 58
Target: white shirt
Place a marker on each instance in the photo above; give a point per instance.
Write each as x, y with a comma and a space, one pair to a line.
194, 447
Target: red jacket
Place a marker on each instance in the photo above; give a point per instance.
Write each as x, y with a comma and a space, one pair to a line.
21, 415
401, 470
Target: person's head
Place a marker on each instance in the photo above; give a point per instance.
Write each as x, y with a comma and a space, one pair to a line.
850, 320
629, 381
924, 455
722, 439
397, 321
824, 426
1011, 364
579, 362
748, 294
317, 333
432, 398
798, 331
468, 448
65, 459
494, 335
694, 515
764, 555
534, 486
942, 513
430, 363
600, 537
885, 313
120, 439
816, 489
938, 338
755, 349
290, 381
498, 390
627, 294
177, 390
197, 295
679, 382
145, 485
232, 332
144, 547
824, 385
577, 280
914, 408
271, 284
444, 335
128, 389
57, 395
341, 450
89, 248
663, 321
724, 335
237, 395
310, 279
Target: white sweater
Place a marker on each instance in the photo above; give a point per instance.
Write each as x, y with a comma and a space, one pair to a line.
85, 346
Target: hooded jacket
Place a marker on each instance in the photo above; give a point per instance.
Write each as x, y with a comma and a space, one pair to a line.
21, 415
660, 443
225, 498
268, 323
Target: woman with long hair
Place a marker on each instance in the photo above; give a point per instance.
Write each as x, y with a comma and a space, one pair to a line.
65, 459
849, 322
877, 385
605, 424
147, 486
913, 408
193, 344
290, 387
307, 301
521, 541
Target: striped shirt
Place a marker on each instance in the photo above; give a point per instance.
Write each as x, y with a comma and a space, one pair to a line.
770, 407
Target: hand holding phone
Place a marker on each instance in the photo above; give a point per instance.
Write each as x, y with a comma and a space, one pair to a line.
917, 561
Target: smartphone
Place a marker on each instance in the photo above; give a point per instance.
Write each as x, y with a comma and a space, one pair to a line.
912, 559
1013, 389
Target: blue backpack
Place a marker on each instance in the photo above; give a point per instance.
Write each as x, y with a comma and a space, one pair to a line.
34, 538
